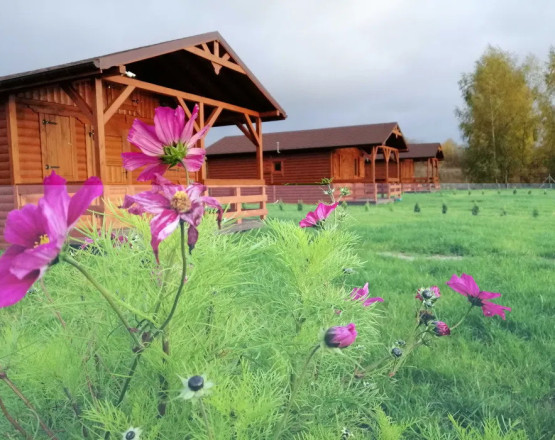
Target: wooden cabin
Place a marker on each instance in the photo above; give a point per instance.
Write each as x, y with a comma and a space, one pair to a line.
295, 162
74, 118
420, 167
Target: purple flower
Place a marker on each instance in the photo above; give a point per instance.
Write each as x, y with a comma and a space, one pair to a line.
170, 142
361, 293
170, 205
340, 337
38, 232
314, 218
465, 285
440, 328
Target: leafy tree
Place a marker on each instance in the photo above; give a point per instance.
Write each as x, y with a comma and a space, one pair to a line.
546, 104
498, 120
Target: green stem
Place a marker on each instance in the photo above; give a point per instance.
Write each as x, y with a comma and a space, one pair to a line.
107, 296
128, 379
463, 318
296, 386
182, 281
206, 421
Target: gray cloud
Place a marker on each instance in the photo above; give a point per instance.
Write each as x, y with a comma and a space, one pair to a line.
328, 63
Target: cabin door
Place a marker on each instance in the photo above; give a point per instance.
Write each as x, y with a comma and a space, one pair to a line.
58, 149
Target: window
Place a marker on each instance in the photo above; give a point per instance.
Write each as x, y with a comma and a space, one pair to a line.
357, 170
277, 167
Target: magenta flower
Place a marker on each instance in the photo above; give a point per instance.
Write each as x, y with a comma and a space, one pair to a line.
316, 217
37, 234
340, 337
361, 293
172, 204
465, 285
440, 328
170, 142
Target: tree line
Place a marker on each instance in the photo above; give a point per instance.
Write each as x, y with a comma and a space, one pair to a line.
507, 120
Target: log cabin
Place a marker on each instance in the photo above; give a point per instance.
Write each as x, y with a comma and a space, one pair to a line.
412, 178
74, 118
365, 158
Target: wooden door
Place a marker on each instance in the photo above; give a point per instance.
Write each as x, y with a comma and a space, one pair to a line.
58, 149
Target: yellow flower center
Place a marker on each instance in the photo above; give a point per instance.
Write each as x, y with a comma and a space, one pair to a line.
181, 202
43, 239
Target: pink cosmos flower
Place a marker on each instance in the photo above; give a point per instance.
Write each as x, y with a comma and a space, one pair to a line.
170, 142
465, 285
340, 337
361, 293
314, 218
170, 205
38, 232
440, 328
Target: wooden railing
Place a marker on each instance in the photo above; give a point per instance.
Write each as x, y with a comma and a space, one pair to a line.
235, 193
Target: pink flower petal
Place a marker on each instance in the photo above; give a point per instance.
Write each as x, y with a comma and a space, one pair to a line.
491, 309
370, 301
144, 136
147, 201
194, 159
25, 226
192, 237
82, 199
199, 135
488, 295
471, 286
161, 227
359, 293
12, 288
169, 124
150, 172
188, 129
132, 161
34, 260
458, 285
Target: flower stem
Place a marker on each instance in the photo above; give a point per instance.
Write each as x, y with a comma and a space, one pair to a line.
28, 404
128, 379
14, 422
183, 275
294, 390
206, 421
107, 296
49, 298
463, 318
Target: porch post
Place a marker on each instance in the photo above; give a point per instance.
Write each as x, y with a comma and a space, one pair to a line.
99, 129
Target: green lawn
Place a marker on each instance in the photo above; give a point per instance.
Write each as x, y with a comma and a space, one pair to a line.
488, 367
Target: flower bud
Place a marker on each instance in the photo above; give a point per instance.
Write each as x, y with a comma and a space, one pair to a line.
440, 328
340, 337
396, 352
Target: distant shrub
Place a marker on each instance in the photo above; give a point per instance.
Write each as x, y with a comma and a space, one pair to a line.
344, 204
483, 192
444, 209
535, 213
514, 191
300, 205
367, 206
544, 191
469, 192
280, 205
529, 192
498, 191
503, 212
475, 209
416, 207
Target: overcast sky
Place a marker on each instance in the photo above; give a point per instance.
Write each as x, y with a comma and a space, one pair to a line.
328, 63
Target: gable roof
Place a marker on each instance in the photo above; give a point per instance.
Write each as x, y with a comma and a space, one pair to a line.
423, 151
175, 64
334, 137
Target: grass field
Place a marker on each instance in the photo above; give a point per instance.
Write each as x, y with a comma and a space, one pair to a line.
488, 368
